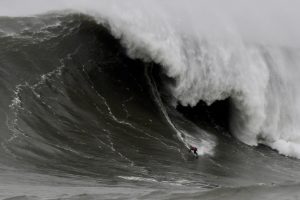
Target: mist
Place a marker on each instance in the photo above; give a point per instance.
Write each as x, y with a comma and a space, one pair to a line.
268, 21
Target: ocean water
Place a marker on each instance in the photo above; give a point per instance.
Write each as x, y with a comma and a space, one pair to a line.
101, 100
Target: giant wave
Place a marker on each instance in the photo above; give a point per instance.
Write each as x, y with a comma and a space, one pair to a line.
259, 79
112, 93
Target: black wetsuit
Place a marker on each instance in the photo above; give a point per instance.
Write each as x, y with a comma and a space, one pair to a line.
194, 149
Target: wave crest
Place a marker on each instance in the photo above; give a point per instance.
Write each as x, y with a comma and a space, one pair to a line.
210, 68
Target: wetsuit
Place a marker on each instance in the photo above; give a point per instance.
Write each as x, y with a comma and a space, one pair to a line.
194, 149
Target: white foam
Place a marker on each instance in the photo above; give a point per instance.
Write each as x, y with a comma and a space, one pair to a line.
135, 178
213, 67
217, 50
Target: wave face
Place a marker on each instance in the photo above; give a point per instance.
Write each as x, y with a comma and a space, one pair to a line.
114, 98
259, 79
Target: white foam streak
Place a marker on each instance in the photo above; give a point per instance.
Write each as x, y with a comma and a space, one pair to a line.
216, 50
209, 68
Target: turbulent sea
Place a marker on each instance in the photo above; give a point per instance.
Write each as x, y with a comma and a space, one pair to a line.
99, 107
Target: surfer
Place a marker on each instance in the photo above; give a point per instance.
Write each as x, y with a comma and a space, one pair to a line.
194, 149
